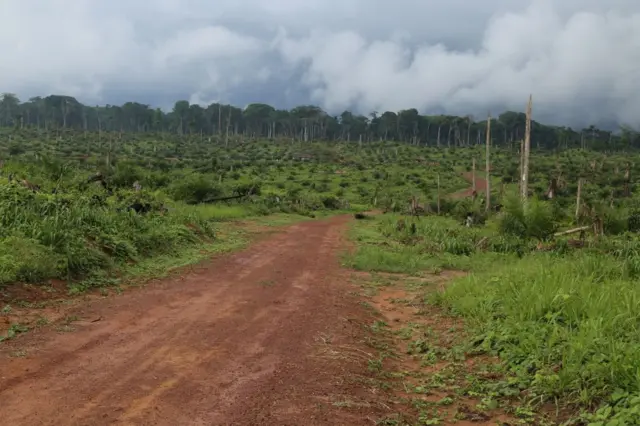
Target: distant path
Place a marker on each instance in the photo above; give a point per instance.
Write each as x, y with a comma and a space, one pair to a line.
481, 185
233, 343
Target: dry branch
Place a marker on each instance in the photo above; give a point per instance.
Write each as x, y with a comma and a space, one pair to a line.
572, 231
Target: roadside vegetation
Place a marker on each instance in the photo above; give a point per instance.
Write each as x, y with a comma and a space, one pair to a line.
554, 319
82, 216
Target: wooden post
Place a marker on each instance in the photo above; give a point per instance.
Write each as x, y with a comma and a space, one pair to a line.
473, 175
488, 165
527, 149
226, 139
438, 194
578, 198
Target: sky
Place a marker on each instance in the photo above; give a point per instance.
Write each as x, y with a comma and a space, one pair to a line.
580, 59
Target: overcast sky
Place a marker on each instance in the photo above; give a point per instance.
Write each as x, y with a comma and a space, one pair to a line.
579, 58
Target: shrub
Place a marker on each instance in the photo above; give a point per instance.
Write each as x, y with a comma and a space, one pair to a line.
531, 220
194, 188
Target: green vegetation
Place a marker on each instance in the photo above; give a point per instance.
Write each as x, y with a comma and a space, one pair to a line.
563, 320
60, 219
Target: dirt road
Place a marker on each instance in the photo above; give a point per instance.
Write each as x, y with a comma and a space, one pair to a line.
481, 185
235, 342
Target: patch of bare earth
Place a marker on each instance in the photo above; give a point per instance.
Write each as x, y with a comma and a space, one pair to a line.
30, 305
271, 335
481, 185
429, 375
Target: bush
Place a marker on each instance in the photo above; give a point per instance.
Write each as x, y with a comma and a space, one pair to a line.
194, 188
26, 260
533, 220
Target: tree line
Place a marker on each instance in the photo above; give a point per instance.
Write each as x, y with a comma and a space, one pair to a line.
305, 123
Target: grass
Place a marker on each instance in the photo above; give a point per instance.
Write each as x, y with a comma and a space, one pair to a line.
162, 265
216, 212
564, 324
567, 327
439, 243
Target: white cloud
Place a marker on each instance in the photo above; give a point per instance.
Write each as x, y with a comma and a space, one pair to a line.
579, 58
571, 64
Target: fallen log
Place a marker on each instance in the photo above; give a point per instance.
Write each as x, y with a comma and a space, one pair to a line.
571, 231
482, 242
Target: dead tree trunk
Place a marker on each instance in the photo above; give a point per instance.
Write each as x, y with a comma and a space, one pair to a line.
578, 199
488, 165
473, 175
527, 149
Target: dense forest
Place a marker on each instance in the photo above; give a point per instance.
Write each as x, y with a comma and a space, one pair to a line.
303, 123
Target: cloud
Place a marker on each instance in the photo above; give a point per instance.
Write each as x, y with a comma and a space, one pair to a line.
579, 58
581, 68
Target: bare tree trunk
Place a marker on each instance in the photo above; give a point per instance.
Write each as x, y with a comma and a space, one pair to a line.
473, 175
578, 197
521, 166
527, 149
226, 140
488, 165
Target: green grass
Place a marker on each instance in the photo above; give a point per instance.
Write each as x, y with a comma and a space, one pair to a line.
564, 323
216, 212
439, 243
566, 326
162, 265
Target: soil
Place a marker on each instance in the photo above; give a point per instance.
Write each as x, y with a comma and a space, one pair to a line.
481, 185
400, 306
242, 340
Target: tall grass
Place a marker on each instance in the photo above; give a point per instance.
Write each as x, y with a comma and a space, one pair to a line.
390, 244
49, 236
566, 323
569, 326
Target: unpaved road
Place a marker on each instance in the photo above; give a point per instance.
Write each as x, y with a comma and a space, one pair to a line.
234, 342
481, 185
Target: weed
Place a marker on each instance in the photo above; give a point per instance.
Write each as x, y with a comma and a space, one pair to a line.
13, 331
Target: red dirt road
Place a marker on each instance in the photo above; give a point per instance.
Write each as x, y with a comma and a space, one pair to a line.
236, 342
481, 185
